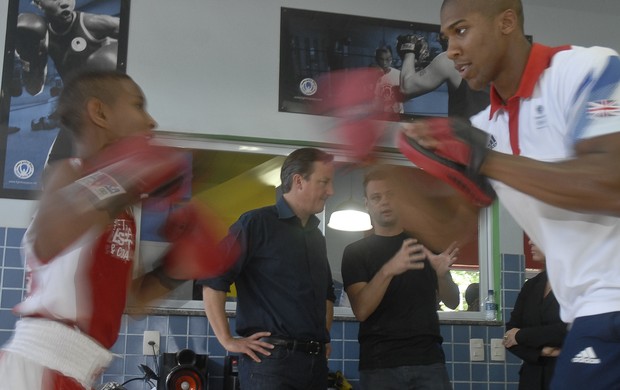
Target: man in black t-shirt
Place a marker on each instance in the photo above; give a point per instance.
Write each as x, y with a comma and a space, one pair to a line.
394, 284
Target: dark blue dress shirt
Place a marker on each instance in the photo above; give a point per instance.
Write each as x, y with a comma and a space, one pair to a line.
282, 275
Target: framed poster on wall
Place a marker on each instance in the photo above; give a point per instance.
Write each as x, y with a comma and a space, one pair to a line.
47, 42
315, 44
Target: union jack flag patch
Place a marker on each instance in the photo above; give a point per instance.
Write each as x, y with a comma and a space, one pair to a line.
603, 108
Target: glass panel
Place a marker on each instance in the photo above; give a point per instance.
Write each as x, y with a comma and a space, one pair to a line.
234, 176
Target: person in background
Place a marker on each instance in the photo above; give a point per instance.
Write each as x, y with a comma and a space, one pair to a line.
535, 332
472, 297
415, 81
285, 292
394, 285
387, 91
75, 41
550, 149
79, 248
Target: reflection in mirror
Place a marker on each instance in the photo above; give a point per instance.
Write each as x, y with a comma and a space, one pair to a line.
232, 177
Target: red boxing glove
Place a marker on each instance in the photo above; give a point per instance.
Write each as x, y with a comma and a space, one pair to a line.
195, 251
132, 169
350, 96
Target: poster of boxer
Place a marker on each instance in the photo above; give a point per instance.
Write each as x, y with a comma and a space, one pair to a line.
46, 42
410, 74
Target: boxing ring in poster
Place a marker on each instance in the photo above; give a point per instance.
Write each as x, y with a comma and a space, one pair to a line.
46, 43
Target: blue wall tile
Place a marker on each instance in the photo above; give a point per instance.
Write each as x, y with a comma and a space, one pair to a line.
10, 298
497, 372
337, 331
14, 237
461, 352
194, 332
198, 344
462, 372
198, 325
350, 330
134, 344
460, 334
514, 263
512, 280
13, 258
480, 372
13, 278
137, 325
178, 325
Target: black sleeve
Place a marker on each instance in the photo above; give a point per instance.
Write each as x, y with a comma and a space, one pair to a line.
353, 267
525, 352
545, 335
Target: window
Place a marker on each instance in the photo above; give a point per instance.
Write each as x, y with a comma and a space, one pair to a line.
236, 175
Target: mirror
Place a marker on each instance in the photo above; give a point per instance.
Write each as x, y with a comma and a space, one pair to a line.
236, 175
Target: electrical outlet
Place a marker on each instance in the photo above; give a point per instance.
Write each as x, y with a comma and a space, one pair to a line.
498, 351
476, 350
150, 342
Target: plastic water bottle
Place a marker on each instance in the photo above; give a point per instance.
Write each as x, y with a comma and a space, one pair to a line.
490, 307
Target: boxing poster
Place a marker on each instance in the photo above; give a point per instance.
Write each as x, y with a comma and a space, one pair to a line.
46, 42
315, 44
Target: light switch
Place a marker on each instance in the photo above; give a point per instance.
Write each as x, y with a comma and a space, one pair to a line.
476, 350
498, 351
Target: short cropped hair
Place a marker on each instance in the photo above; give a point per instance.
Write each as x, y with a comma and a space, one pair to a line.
301, 161
382, 50
79, 89
493, 8
377, 173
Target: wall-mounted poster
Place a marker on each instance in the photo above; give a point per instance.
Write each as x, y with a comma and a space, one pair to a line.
412, 74
46, 42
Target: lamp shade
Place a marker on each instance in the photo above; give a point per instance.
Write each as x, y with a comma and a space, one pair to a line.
350, 216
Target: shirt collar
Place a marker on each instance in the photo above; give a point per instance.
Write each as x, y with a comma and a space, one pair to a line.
538, 60
285, 212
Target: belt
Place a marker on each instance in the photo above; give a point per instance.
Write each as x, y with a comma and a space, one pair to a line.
309, 347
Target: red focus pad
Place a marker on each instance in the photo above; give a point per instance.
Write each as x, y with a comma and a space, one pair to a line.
475, 187
459, 142
195, 251
350, 96
135, 168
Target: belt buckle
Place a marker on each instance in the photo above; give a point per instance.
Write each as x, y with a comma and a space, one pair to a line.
314, 347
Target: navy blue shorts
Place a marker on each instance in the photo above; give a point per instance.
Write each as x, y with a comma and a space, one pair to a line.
590, 357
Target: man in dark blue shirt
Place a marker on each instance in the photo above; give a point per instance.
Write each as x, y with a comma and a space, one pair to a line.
285, 292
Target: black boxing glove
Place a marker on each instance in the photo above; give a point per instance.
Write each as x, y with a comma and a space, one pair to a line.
31, 47
412, 44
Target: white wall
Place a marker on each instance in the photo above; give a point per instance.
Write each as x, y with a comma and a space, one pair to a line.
211, 66
216, 69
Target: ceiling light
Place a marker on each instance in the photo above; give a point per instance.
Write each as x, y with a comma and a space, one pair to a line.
351, 217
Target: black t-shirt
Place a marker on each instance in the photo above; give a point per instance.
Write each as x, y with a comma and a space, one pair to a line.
404, 329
